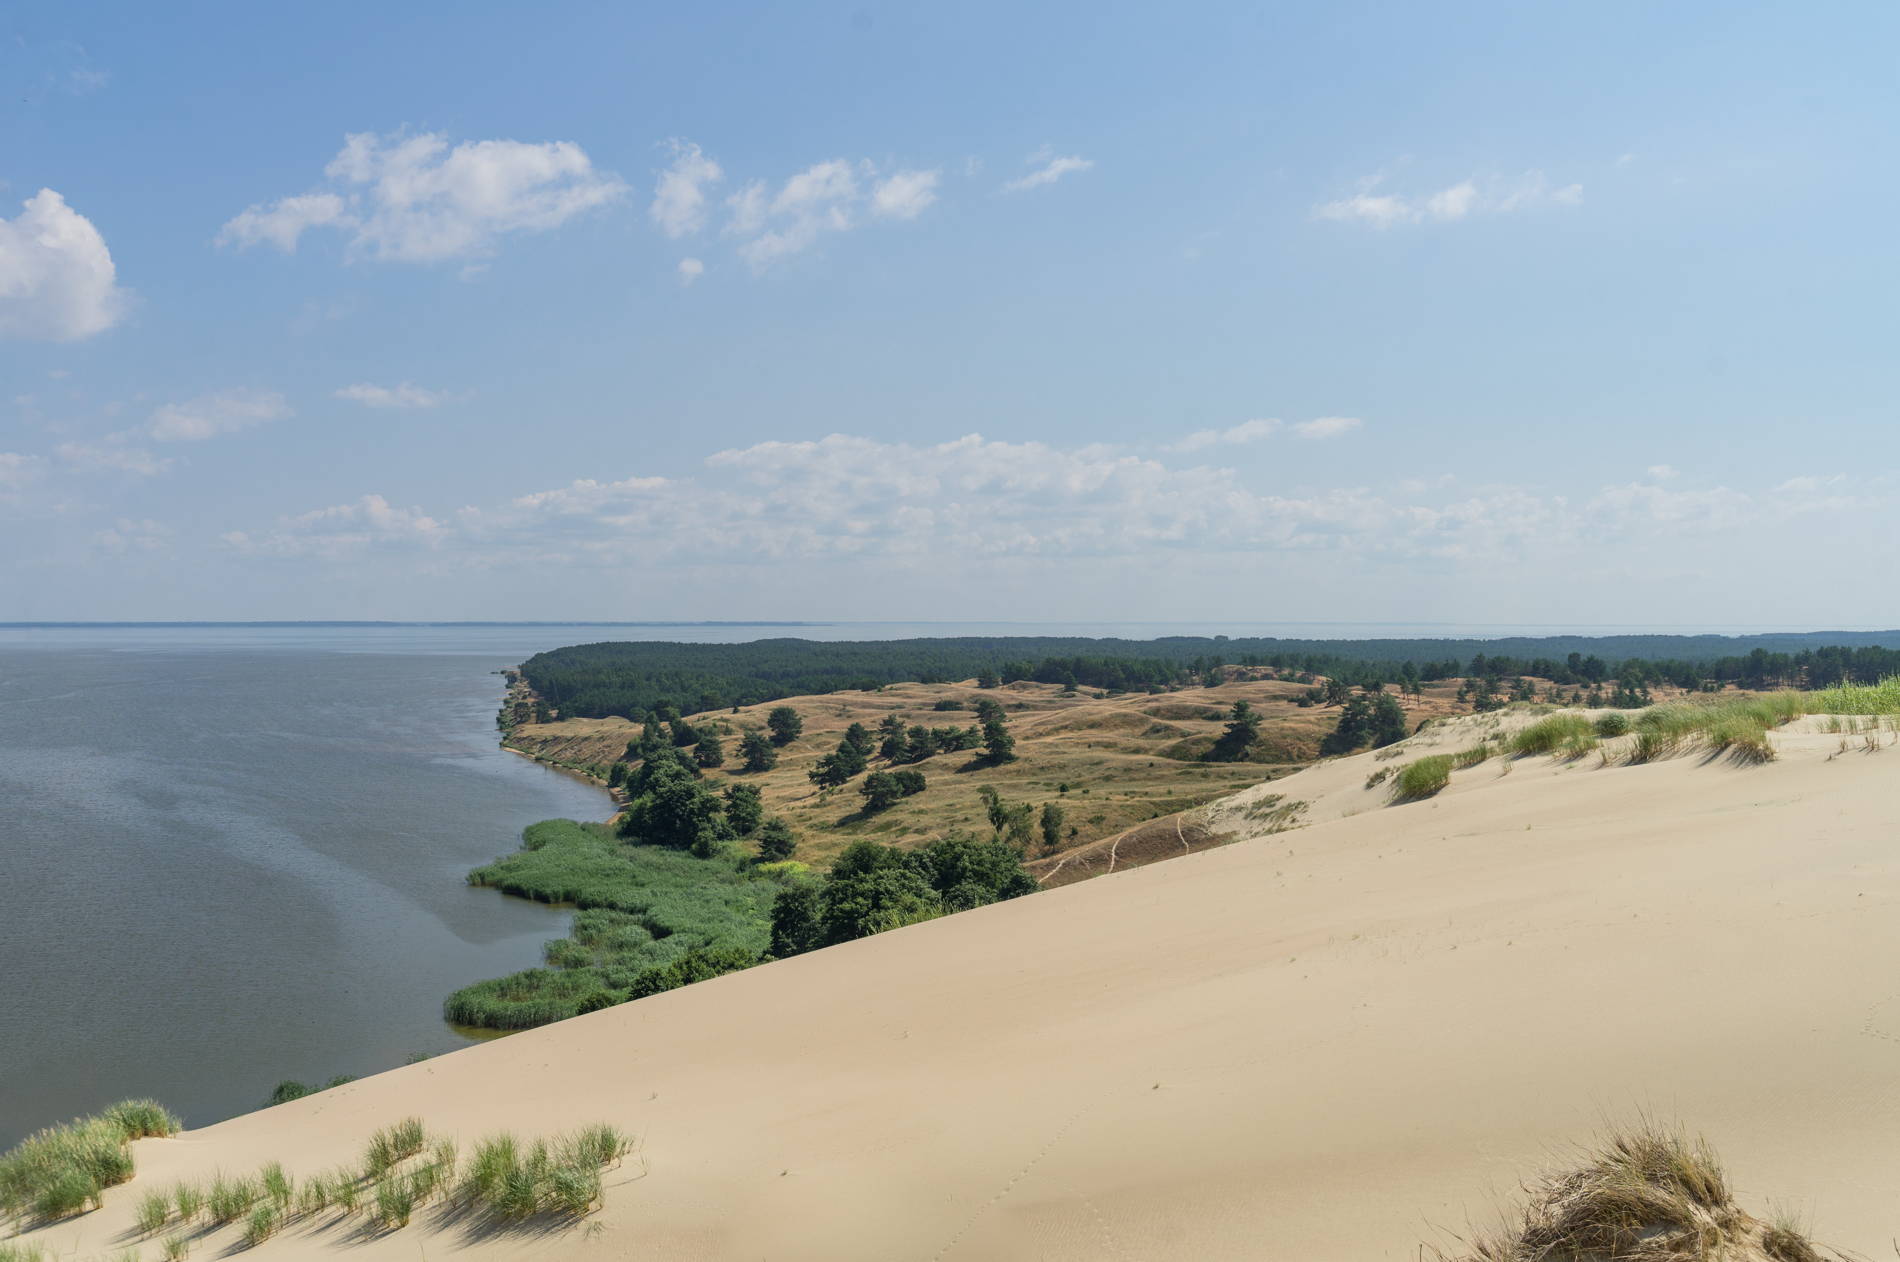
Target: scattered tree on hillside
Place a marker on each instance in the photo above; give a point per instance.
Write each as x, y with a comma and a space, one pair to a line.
1243, 728
710, 751
1051, 826
881, 791
910, 782
837, 767
744, 808
776, 841
785, 724
873, 887
616, 775
858, 737
675, 810
1388, 721
757, 750
986, 678
998, 745
895, 745
1353, 730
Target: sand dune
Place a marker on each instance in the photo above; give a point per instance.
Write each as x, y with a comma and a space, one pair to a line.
1332, 1043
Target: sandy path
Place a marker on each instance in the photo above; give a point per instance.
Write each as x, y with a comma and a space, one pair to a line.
1322, 1044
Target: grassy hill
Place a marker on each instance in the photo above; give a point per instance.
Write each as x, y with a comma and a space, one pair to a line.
1111, 762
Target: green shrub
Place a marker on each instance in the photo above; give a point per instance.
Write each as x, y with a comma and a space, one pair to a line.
1422, 778
1611, 726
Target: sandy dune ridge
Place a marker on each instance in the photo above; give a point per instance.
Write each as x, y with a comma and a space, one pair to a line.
1330, 1043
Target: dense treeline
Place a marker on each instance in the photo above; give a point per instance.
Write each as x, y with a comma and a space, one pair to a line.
633, 679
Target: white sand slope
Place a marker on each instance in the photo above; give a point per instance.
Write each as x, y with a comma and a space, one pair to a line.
1326, 1044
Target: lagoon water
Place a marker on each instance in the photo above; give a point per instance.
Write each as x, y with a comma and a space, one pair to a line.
231, 855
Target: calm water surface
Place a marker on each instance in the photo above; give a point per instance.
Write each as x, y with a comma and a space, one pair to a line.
228, 859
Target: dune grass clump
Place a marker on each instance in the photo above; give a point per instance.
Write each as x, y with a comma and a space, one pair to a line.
1647, 1195
63, 1170
511, 1181
154, 1211
1736, 726
175, 1248
1471, 757
231, 1198
393, 1144
261, 1225
1611, 726
395, 1203
277, 1186
1422, 778
1565, 733
14, 1251
143, 1119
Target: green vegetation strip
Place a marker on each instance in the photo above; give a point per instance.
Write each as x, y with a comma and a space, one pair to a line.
64, 1171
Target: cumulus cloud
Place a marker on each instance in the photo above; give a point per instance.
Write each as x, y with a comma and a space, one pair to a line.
342, 528
416, 199
1245, 432
1327, 426
679, 198
770, 223
1448, 205
1049, 171
209, 415
857, 499
57, 279
404, 394
905, 195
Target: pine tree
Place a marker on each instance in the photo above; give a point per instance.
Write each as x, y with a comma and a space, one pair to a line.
785, 723
758, 751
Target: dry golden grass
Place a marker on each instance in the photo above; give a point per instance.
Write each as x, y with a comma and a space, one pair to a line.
1125, 760
1645, 1195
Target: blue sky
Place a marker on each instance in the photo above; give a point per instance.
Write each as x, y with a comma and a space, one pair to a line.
1531, 314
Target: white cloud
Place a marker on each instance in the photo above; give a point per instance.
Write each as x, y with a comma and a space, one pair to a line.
342, 528
283, 221
1662, 472
1245, 432
414, 199
57, 279
691, 270
212, 414
112, 455
1266, 427
1051, 170
905, 195
856, 499
1327, 426
821, 198
679, 198
405, 394
1448, 205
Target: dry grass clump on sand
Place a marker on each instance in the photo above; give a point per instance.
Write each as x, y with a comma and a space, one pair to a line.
1422, 778
1646, 1195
